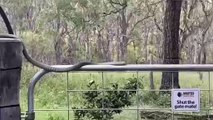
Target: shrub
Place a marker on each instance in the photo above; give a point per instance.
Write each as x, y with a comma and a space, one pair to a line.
113, 97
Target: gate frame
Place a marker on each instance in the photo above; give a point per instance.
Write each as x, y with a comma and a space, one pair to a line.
112, 68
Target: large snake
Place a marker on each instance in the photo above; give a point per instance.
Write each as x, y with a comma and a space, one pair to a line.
39, 64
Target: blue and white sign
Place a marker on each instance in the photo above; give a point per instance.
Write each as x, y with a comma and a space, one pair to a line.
185, 100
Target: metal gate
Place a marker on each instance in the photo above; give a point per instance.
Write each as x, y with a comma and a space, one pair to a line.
145, 101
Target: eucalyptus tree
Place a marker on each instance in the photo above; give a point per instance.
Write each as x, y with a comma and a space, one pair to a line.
195, 30
171, 42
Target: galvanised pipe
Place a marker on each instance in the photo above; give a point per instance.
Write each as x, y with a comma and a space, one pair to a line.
31, 89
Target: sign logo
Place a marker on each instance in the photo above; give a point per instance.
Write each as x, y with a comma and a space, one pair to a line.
185, 100
179, 94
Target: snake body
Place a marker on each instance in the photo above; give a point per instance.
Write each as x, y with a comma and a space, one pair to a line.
45, 66
39, 64
28, 57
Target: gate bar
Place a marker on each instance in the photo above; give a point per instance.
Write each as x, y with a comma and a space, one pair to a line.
145, 67
37, 77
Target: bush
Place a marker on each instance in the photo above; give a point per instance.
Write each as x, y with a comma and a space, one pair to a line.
114, 97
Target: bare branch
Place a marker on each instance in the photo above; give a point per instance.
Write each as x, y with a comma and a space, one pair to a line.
156, 24
139, 21
192, 7
111, 12
129, 17
123, 5
116, 3
204, 9
148, 14
155, 3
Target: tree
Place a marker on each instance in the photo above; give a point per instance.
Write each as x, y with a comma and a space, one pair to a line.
69, 31
171, 42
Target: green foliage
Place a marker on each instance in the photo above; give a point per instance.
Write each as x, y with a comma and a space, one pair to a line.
133, 84
37, 43
156, 99
114, 97
134, 54
55, 117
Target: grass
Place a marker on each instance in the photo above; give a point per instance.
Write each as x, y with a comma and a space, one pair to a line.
51, 92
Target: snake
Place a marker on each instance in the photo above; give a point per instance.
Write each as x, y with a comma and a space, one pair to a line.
46, 67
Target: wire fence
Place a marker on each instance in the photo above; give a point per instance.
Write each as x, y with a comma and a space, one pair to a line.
118, 95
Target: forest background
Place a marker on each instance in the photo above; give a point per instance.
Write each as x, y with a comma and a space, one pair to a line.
69, 31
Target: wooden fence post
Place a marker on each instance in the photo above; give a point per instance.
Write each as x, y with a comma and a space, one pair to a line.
10, 72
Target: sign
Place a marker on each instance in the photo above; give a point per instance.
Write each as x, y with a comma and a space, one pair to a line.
185, 100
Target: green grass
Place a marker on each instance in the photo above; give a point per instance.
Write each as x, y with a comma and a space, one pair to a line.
51, 92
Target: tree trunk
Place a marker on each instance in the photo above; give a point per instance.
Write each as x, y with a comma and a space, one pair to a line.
89, 51
58, 49
146, 51
152, 85
204, 55
171, 42
124, 38
58, 43
118, 44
